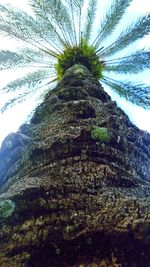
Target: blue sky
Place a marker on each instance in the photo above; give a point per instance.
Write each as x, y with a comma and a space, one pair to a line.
12, 119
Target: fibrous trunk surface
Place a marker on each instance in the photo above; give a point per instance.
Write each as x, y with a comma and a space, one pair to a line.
76, 181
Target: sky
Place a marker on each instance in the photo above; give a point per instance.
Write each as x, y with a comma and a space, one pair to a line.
13, 118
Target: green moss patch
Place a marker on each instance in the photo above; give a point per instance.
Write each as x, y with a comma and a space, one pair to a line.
6, 208
100, 134
83, 54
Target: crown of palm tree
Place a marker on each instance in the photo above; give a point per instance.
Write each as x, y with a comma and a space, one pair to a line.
59, 34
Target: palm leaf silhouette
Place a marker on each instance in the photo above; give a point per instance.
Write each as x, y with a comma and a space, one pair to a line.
31, 83
57, 25
131, 34
91, 13
138, 61
130, 91
111, 19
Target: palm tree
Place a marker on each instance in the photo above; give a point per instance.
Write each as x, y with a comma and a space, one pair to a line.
75, 187
58, 32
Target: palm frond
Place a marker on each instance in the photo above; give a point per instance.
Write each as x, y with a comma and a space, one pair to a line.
48, 27
9, 59
71, 12
91, 12
136, 93
30, 80
138, 61
56, 14
131, 34
19, 25
27, 94
79, 4
34, 55
24, 57
14, 101
111, 20
76, 10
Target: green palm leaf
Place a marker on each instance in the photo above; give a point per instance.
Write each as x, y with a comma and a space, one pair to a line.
111, 20
24, 96
76, 8
138, 61
14, 101
57, 15
21, 26
28, 86
79, 4
22, 58
129, 35
9, 59
25, 58
49, 29
136, 93
91, 12
30, 80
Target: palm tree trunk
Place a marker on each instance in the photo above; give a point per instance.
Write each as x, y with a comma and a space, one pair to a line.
75, 183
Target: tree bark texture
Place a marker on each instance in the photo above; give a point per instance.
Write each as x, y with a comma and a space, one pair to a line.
75, 183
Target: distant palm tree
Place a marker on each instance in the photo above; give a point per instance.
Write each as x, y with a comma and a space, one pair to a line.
60, 34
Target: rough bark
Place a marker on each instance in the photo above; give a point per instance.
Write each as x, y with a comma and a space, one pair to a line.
75, 183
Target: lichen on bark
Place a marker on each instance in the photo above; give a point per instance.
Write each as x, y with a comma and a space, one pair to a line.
78, 201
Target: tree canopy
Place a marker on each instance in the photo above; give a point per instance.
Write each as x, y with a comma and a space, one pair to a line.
60, 34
